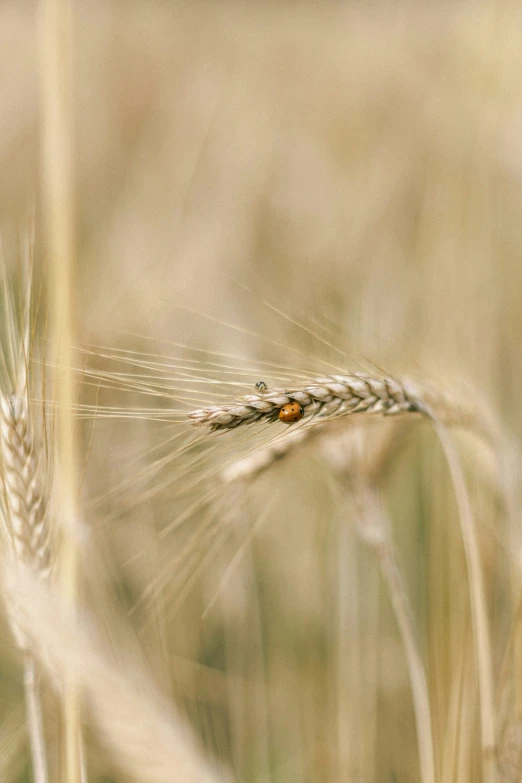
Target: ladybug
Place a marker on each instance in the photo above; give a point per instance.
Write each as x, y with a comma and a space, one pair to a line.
291, 412
261, 386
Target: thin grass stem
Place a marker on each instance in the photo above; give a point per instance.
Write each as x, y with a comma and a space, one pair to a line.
479, 612
374, 531
57, 162
34, 721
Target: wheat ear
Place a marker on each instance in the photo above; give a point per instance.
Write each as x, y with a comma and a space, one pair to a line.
337, 395
26, 531
147, 739
261, 459
24, 485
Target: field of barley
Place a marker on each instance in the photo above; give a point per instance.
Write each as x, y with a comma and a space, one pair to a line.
260, 372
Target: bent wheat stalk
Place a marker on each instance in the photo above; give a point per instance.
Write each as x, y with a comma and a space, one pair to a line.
336, 395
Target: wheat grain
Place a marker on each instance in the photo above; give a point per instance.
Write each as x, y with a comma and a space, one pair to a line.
336, 395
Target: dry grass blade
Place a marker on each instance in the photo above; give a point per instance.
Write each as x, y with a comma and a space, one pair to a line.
337, 395
147, 739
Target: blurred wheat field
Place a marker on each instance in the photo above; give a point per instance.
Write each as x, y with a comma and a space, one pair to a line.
279, 192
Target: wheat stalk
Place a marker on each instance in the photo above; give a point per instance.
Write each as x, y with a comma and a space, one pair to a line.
359, 469
374, 530
336, 395
57, 46
357, 462
477, 595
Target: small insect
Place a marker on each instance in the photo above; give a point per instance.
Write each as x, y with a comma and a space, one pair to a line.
261, 386
291, 412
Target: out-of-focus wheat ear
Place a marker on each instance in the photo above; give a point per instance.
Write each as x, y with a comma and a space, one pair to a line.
145, 736
261, 459
318, 432
357, 467
26, 534
24, 485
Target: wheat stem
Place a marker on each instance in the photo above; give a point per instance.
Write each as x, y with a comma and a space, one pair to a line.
34, 721
374, 530
358, 461
57, 162
478, 603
